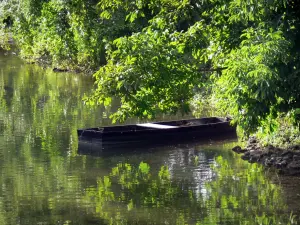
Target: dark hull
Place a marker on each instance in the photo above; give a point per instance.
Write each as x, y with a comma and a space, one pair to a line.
133, 136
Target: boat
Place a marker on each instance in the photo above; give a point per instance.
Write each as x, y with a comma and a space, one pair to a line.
156, 133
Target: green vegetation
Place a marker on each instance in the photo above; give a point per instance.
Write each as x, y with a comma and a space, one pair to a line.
241, 57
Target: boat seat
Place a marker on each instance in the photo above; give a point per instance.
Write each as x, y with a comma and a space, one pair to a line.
158, 126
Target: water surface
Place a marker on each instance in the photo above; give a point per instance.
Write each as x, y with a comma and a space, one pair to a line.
44, 180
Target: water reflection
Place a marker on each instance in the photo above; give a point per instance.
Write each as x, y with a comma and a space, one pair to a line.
101, 147
234, 194
45, 181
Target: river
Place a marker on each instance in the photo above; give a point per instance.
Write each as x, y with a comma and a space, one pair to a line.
45, 180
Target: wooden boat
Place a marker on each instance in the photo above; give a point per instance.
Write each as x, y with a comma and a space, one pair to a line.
146, 134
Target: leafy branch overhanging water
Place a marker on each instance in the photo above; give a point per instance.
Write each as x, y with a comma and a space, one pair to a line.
155, 56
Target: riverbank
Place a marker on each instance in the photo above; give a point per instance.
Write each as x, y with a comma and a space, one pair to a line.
285, 161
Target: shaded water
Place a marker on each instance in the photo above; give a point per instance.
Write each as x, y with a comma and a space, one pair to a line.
45, 181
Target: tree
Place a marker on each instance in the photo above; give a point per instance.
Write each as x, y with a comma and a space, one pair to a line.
249, 48
156, 56
65, 34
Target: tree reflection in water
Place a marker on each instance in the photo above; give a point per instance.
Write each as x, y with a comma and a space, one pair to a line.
134, 195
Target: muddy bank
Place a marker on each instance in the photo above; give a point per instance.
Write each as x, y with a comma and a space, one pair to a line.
286, 161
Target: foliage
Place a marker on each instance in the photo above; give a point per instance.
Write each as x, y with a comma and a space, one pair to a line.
5, 9
251, 80
145, 81
66, 34
250, 49
4, 38
159, 56
284, 132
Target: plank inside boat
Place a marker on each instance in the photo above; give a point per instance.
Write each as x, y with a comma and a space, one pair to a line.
158, 126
